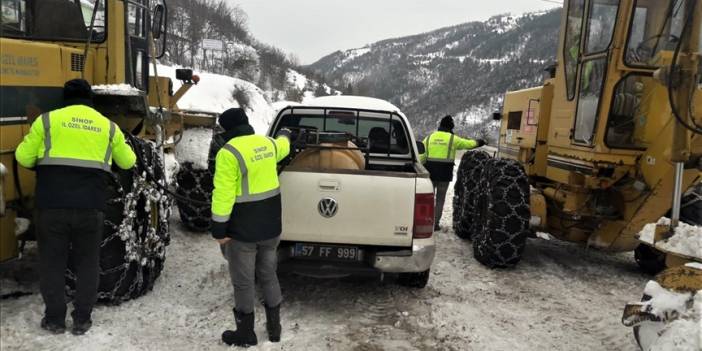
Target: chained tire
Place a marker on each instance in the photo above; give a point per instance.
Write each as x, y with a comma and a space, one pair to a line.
503, 214
196, 184
135, 231
465, 193
414, 280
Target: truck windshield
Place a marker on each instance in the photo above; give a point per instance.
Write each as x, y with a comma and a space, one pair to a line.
655, 28
58, 20
380, 135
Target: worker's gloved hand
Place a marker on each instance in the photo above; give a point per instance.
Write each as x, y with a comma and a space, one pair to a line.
218, 230
291, 135
481, 142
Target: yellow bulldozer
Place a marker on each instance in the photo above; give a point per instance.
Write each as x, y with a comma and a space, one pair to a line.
611, 142
112, 44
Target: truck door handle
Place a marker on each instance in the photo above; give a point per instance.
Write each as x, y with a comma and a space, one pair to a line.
329, 185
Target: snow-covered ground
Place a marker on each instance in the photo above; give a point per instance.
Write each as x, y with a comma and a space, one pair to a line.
560, 297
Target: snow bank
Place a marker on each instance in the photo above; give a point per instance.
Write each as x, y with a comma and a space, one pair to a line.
686, 241
194, 147
116, 89
216, 93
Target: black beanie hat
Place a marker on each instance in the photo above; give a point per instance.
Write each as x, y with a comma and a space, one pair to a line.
77, 91
446, 123
232, 118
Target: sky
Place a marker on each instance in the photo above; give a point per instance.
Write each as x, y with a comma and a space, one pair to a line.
311, 29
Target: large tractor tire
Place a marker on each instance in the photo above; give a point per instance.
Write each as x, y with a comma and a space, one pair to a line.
135, 231
503, 214
650, 260
465, 193
196, 184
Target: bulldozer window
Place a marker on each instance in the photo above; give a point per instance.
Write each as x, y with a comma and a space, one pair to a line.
591, 83
630, 113
655, 27
571, 48
600, 25
60, 20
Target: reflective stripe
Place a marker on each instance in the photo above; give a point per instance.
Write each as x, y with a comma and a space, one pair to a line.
220, 219
242, 168
60, 161
440, 160
246, 196
47, 133
108, 153
258, 197
448, 156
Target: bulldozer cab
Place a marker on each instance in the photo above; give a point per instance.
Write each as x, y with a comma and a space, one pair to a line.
604, 134
603, 103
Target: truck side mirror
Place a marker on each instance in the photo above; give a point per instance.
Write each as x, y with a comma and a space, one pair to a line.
159, 17
420, 147
497, 116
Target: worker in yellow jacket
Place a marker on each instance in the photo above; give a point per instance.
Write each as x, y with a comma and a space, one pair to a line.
72, 150
441, 147
246, 221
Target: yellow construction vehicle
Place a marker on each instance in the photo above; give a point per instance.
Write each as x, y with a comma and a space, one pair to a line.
609, 143
113, 45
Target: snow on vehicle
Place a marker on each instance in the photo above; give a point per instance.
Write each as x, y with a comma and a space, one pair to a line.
355, 196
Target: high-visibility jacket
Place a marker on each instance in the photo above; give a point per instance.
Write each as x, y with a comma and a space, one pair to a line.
246, 198
440, 154
72, 149
76, 136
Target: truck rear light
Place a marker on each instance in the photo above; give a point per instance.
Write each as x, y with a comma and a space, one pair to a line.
423, 216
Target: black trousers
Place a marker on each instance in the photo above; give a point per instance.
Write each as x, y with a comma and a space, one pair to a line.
57, 231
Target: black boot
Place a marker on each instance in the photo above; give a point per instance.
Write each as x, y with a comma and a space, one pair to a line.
273, 323
244, 335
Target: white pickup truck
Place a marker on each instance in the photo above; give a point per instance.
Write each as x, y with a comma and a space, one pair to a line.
356, 199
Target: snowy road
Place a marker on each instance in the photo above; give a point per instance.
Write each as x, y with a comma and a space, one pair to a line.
560, 297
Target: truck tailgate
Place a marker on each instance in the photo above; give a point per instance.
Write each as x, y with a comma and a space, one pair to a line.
370, 209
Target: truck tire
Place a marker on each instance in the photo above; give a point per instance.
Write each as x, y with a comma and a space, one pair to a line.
195, 184
503, 215
135, 231
465, 193
414, 280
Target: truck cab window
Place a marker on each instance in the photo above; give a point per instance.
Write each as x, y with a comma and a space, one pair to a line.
60, 20
571, 54
630, 112
656, 27
591, 83
600, 26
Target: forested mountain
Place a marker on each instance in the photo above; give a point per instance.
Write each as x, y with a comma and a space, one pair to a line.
462, 70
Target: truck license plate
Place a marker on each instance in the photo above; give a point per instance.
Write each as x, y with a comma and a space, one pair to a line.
337, 253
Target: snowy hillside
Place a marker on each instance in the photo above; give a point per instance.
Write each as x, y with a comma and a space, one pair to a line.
462, 70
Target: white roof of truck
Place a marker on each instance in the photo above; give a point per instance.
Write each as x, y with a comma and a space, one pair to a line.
347, 101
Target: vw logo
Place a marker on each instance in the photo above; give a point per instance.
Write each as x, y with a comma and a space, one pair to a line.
327, 207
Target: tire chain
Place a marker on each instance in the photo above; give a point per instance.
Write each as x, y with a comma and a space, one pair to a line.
144, 245
194, 216
466, 193
504, 220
